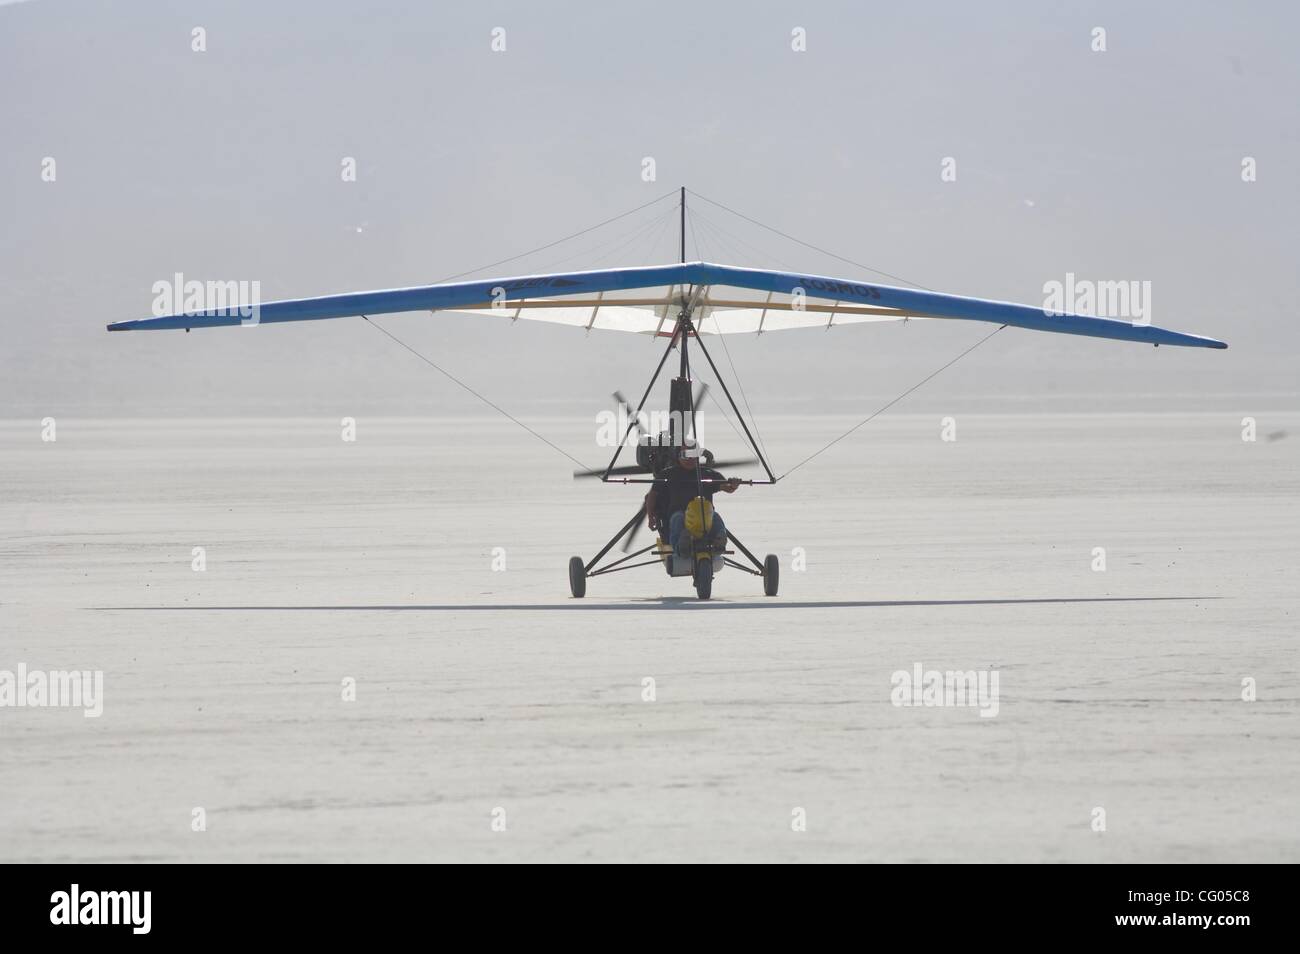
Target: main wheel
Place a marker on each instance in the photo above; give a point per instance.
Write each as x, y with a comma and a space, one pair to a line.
771, 574
704, 578
577, 577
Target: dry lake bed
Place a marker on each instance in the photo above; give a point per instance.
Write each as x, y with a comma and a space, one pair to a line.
380, 660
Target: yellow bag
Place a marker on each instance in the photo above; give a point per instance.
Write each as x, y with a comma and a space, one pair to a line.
696, 525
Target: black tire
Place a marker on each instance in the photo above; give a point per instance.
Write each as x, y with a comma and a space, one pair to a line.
704, 578
771, 574
577, 577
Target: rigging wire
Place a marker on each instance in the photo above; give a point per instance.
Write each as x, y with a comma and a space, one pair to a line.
661, 221
542, 248
694, 239
503, 261
608, 246
725, 416
736, 374
722, 410
718, 233
453, 378
849, 261
654, 248
798, 241
697, 372
886, 407
762, 445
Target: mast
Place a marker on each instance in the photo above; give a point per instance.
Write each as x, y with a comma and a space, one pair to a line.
684, 325
683, 225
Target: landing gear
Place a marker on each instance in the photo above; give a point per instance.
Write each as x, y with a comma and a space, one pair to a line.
704, 577
771, 574
577, 577
682, 424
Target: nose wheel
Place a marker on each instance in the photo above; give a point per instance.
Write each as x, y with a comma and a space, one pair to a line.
577, 577
771, 574
704, 578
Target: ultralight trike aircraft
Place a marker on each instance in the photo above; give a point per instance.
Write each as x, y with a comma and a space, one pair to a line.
681, 303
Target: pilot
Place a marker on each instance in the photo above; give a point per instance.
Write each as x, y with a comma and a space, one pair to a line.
674, 495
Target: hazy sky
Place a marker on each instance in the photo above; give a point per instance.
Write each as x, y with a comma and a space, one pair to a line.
225, 164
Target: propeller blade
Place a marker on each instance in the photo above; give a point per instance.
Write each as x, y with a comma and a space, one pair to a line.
699, 395
636, 469
627, 541
616, 472
735, 463
618, 396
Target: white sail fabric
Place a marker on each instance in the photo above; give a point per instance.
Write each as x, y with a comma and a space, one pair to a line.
653, 311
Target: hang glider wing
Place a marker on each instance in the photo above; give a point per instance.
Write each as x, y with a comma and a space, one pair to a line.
724, 300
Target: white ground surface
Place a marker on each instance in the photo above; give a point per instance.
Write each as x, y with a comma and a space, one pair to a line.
479, 689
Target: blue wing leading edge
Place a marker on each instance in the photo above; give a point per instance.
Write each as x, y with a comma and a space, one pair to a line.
477, 294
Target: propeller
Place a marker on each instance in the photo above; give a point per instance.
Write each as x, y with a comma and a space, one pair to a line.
696, 401
627, 541
624, 402
616, 472
643, 435
636, 527
699, 395
630, 469
732, 463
